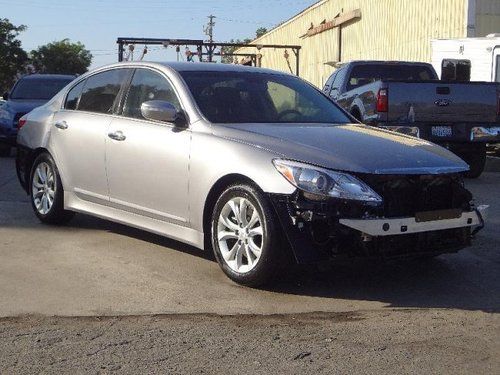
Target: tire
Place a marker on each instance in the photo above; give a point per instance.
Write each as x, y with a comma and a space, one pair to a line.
4, 150
476, 158
245, 256
356, 114
46, 192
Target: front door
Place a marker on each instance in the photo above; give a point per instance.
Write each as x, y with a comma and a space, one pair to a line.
147, 161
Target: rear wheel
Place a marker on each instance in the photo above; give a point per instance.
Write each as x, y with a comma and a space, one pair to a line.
47, 194
4, 150
245, 236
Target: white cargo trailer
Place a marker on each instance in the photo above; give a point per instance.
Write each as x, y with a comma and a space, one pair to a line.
468, 59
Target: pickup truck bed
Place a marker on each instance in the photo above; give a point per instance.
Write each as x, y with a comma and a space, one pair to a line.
461, 116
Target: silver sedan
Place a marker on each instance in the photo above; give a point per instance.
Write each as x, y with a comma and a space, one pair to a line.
257, 165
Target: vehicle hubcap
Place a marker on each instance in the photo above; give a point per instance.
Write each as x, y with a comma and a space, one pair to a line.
240, 235
43, 188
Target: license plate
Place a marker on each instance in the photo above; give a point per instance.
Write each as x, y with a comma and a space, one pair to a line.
437, 215
441, 131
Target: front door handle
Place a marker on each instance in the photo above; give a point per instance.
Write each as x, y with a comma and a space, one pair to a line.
61, 125
117, 135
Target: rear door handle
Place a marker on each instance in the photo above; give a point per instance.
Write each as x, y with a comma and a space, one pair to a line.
61, 125
117, 135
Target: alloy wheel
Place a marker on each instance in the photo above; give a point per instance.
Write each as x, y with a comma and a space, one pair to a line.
43, 188
240, 234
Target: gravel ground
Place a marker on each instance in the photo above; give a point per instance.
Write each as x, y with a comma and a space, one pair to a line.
390, 341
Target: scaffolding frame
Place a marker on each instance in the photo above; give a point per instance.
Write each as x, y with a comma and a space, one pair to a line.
209, 47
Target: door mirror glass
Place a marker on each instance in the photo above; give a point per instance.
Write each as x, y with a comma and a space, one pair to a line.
159, 110
5, 96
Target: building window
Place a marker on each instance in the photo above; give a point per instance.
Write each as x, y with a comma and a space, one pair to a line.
455, 70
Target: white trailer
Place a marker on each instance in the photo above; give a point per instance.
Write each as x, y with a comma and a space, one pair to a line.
467, 59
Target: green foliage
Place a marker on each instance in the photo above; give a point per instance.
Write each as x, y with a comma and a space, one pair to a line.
227, 50
260, 31
62, 57
12, 57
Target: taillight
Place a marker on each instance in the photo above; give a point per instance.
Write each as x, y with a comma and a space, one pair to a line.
383, 100
21, 122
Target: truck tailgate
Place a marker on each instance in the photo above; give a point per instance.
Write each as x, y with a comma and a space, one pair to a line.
442, 102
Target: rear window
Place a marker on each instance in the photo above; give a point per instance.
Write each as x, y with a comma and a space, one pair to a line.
101, 91
38, 88
365, 74
455, 70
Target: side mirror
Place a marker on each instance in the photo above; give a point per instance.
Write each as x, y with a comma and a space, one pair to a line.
334, 93
160, 110
5, 96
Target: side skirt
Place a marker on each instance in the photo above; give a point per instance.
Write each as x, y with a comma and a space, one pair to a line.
170, 230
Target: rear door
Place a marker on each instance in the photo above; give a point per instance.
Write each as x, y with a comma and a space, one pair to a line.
78, 133
147, 165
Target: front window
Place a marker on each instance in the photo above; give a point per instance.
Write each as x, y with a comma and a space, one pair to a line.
147, 85
241, 97
38, 88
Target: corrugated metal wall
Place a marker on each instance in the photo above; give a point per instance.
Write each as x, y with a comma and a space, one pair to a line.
487, 17
387, 30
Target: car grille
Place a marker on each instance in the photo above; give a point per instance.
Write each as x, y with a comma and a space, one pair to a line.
17, 116
407, 195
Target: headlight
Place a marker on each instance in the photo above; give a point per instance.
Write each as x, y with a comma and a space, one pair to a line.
326, 183
5, 115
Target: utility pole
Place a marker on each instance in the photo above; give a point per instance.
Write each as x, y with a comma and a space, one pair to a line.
209, 31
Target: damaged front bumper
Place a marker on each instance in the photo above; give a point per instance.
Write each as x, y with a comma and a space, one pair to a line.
336, 229
443, 219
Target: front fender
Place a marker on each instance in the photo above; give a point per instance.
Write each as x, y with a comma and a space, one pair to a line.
213, 158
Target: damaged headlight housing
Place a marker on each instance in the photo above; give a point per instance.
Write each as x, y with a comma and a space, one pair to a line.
325, 183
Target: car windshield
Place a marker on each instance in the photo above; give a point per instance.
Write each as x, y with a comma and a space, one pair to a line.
244, 97
39, 88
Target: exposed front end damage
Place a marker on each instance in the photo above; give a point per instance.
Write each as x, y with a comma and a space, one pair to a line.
421, 215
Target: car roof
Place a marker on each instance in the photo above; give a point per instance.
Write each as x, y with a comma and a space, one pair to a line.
196, 67
49, 76
388, 62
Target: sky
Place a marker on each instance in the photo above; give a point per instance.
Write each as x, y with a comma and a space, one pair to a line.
97, 23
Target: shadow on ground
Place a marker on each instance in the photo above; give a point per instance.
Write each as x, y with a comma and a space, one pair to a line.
457, 281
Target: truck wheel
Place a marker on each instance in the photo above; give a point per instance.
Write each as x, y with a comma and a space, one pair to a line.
476, 158
356, 114
4, 150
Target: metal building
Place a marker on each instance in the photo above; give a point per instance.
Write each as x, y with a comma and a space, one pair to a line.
333, 31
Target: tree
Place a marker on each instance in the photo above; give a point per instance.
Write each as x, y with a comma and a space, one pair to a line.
12, 57
226, 51
260, 31
228, 59
61, 57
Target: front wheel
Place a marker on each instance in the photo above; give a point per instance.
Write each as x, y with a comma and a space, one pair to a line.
47, 194
245, 236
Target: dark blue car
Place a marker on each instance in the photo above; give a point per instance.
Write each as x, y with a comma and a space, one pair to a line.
28, 93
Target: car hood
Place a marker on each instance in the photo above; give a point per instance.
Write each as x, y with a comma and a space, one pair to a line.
347, 147
16, 106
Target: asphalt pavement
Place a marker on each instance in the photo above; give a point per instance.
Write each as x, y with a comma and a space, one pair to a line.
67, 277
